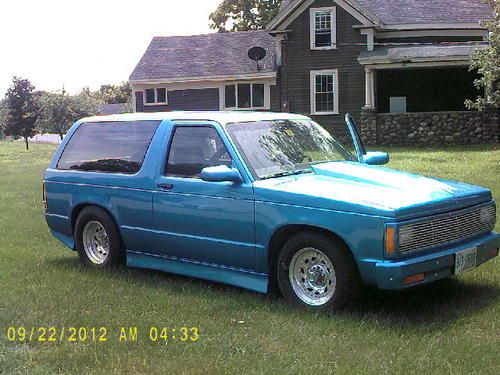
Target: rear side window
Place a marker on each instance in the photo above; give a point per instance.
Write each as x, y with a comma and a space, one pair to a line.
113, 147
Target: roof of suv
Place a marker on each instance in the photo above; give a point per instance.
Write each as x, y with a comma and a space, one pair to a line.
220, 117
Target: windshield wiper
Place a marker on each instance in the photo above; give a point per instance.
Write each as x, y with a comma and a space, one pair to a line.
287, 173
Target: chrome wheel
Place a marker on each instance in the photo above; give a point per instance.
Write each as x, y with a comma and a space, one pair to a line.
95, 242
312, 276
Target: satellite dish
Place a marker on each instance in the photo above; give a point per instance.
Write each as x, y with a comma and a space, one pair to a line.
257, 54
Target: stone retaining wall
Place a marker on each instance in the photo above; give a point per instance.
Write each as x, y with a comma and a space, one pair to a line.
429, 128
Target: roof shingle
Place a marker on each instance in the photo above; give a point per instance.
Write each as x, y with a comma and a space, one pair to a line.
393, 12
404, 12
209, 55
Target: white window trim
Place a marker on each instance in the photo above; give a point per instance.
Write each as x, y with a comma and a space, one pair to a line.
335, 73
312, 26
156, 96
267, 96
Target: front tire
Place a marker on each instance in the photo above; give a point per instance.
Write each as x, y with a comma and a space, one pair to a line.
97, 239
316, 272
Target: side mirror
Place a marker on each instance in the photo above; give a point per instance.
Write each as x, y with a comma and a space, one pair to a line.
220, 173
376, 158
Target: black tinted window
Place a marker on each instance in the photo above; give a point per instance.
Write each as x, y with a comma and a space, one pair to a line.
230, 96
195, 148
150, 96
117, 147
258, 95
244, 96
161, 95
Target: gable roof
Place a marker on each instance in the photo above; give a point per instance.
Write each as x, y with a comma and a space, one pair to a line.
404, 12
204, 56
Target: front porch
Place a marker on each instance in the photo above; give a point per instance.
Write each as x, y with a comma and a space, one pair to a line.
415, 95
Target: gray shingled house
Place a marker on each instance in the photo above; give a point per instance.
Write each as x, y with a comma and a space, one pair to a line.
399, 66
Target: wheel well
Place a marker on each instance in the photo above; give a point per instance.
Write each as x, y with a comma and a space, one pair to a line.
282, 235
79, 208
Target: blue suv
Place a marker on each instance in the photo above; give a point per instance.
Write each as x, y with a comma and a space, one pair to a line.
260, 200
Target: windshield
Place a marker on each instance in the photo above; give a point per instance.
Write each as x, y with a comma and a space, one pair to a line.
282, 147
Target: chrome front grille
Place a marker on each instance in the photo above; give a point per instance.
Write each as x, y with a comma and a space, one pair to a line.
447, 229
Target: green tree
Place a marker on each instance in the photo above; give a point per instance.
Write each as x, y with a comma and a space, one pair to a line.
59, 110
57, 113
115, 94
243, 15
87, 103
487, 63
3, 110
22, 110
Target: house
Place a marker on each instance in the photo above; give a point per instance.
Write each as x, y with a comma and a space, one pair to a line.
113, 109
399, 66
206, 72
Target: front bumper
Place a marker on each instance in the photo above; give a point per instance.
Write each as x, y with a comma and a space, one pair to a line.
435, 266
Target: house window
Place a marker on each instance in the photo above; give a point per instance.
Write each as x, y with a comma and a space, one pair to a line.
323, 28
324, 92
245, 96
230, 96
155, 96
258, 95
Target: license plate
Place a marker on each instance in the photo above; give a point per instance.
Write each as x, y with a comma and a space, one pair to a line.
465, 260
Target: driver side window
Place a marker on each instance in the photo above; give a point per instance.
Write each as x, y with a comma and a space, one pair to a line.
194, 148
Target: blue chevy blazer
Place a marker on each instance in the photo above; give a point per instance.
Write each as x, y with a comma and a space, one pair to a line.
260, 201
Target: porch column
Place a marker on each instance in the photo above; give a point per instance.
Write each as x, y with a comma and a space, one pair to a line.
369, 88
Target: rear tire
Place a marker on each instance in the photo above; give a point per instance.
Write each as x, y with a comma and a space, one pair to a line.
316, 272
97, 239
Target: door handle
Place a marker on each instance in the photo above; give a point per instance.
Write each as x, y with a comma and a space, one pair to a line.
165, 187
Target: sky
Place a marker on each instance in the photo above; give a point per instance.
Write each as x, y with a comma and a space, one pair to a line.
86, 43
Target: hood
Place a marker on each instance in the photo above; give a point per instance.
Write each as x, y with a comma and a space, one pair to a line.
373, 190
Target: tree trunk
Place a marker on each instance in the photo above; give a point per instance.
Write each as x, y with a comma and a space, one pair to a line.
61, 136
27, 145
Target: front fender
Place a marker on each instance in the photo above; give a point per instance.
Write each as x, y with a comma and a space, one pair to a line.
363, 234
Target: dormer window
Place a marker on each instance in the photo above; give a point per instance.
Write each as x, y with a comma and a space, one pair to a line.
323, 28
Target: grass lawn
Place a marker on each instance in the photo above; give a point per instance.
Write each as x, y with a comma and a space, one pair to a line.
452, 327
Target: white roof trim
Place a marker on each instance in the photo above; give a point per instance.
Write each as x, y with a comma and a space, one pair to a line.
461, 60
299, 6
415, 60
205, 78
425, 33
434, 26
418, 64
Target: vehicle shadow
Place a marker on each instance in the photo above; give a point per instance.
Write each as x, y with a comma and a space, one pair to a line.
431, 307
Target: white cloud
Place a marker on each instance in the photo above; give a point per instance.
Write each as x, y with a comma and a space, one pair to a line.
88, 43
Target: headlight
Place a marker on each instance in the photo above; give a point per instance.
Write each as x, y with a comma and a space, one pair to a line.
487, 215
406, 234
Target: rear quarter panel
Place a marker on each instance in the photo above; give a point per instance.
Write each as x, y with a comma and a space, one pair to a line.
128, 198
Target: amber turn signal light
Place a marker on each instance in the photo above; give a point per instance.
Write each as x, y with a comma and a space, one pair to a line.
414, 279
390, 240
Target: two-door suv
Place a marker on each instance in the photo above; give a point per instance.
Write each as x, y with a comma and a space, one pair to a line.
260, 200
